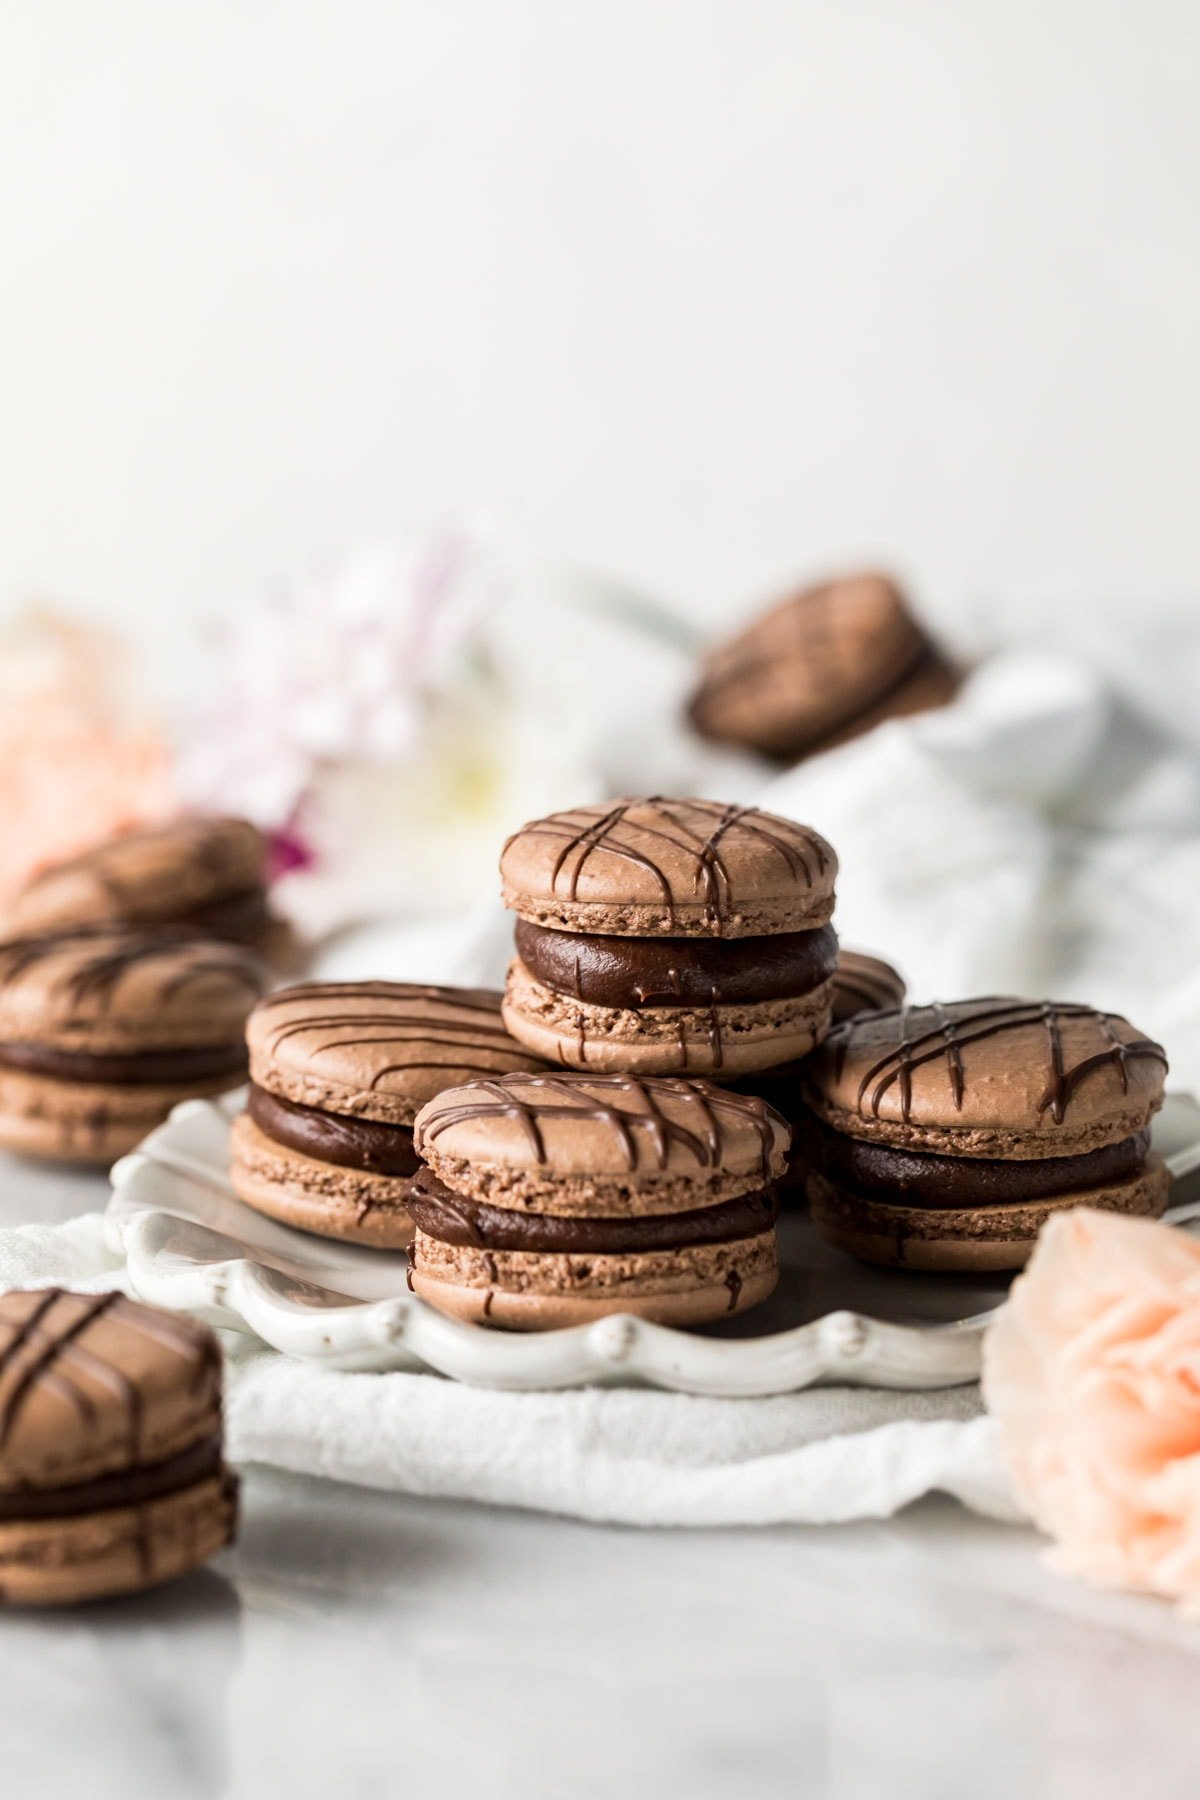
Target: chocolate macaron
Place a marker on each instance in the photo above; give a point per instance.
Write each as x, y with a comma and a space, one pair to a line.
553, 1200
944, 1136
819, 668
208, 874
864, 984
664, 936
339, 1072
102, 1032
112, 1476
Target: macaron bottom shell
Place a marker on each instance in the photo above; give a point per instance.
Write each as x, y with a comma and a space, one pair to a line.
967, 1240
532, 1291
328, 1199
121, 1550
718, 1041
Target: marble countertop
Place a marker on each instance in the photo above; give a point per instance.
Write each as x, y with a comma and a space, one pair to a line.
355, 1643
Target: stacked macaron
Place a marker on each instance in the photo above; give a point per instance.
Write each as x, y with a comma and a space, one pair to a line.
821, 667
339, 1072
555, 1199
945, 1136
661, 936
112, 1475
102, 1032
208, 874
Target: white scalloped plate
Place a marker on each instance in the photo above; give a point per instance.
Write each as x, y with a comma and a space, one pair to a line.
193, 1246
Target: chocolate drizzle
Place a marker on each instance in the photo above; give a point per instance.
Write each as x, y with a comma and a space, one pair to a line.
954, 1029
697, 828
643, 1123
463, 1023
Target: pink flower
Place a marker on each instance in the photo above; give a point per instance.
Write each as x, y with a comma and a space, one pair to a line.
1093, 1373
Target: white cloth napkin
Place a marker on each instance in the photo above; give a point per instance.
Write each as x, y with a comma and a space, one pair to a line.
628, 1456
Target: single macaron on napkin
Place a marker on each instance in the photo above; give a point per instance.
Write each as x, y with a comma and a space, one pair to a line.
102, 1032
864, 984
208, 874
661, 937
112, 1475
339, 1072
552, 1200
819, 668
945, 1136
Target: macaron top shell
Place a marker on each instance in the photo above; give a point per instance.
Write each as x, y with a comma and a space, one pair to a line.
808, 665
93, 1383
146, 876
565, 1125
119, 989
669, 868
378, 1049
1020, 1078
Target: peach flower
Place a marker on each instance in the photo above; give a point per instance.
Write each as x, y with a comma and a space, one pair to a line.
78, 760
1092, 1371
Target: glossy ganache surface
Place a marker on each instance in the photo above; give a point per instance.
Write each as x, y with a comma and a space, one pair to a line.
635, 972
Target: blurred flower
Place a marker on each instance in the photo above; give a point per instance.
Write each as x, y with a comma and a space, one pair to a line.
367, 717
1092, 1370
78, 758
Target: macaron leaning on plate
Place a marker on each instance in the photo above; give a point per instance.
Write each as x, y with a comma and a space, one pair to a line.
339, 1072
659, 936
557, 1199
102, 1032
944, 1136
112, 1475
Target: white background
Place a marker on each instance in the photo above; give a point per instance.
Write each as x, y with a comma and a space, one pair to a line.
705, 293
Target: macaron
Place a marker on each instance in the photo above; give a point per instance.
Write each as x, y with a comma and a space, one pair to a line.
860, 984
944, 1136
208, 874
339, 1071
864, 984
660, 936
112, 1472
553, 1200
103, 1031
818, 668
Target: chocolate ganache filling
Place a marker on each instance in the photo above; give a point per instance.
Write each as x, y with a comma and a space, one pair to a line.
635, 972
454, 1219
124, 1487
142, 1068
880, 1172
371, 1145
